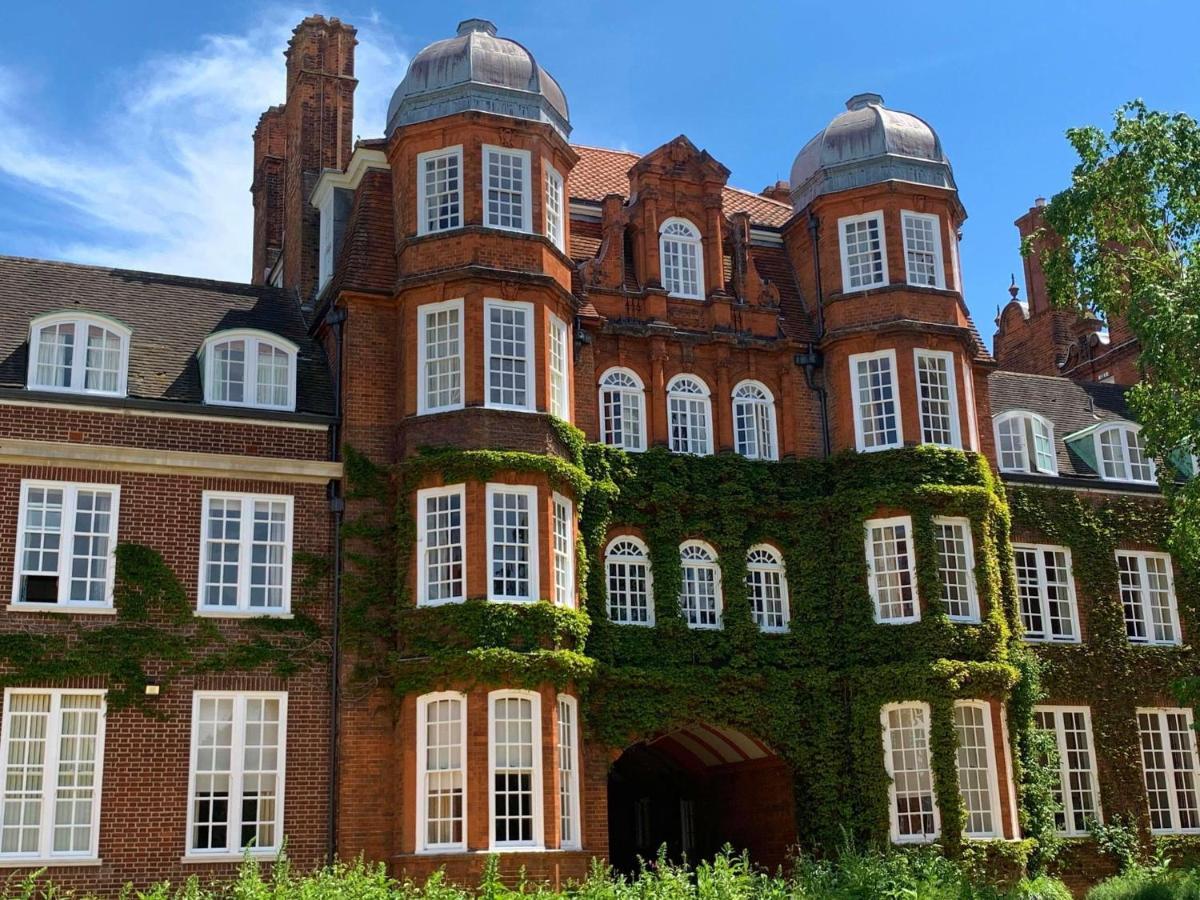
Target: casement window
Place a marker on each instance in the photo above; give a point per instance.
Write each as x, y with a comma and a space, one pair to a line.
937, 398
246, 554
1025, 444
515, 764
239, 742
66, 540
512, 542
956, 568
923, 249
976, 758
441, 772
1046, 590
873, 393
554, 207
623, 410
506, 200
689, 411
52, 750
864, 252
1148, 597
440, 356
891, 570
439, 190
912, 803
766, 587
248, 368
630, 587
563, 528
508, 355
560, 391
754, 421
700, 590
1170, 767
1077, 791
681, 258
78, 354
441, 529
568, 772
1122, 456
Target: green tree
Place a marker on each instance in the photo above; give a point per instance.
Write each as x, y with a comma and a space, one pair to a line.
1124, 241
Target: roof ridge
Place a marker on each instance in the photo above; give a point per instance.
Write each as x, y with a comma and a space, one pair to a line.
607, 150
174, 276
757, 196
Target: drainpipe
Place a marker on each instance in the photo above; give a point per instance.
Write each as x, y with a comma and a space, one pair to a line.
812, 360
336, 319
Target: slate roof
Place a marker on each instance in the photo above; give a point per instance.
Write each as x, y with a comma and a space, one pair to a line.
169, 316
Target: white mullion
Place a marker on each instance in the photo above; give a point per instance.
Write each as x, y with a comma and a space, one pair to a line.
237, 762
66, 543
79, 357
1164, 731
50, 775
245, 548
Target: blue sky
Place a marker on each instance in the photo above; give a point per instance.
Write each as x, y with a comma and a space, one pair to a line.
125, 126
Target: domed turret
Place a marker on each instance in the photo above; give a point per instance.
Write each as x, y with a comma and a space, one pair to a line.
867, 144
476, 70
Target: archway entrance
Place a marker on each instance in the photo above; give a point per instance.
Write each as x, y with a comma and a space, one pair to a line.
695, 790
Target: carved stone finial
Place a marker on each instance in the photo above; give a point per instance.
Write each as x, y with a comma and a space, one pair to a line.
1013, 290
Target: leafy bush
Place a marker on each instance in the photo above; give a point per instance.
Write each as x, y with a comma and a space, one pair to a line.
1156, 882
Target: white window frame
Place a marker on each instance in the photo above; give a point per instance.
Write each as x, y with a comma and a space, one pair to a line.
889, 767
423, 496
553, 182
563, 560
423, 314
1128, 433
856, 401
81, 321
939, 262
1147, 615
638, 395
325, 248
1069, 812
539, 834
530, 491
1160, 716
526, 193
423, 772
237, 773
951, 385
973, 615
558, 344
245, 543
777, 566
253, 338
993, 781
876, 215
530, 355
718, 592
1043, 584
53, 738
569, 811
423, 199
771, 438
1026, 433
872, 582
66, 547
693, 240
706, 399
643, 559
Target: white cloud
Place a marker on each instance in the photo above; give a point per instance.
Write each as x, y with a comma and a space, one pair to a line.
163, 176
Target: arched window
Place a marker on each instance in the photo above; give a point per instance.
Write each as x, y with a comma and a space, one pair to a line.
630, 587
249, 368
78, 353
682, 260
622, 410
689, 411
442, 771
754, 421
700, 590
766, 586
1122, 456
1025, 443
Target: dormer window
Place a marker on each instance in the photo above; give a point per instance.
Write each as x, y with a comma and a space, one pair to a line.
506, 189
249, 368
679, 251
1025, 444
79, 354
1121, 455
439, 189
864, 253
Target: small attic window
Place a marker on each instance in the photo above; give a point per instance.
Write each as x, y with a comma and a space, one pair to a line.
1025, 443
249, 368
78, 353
1121, 455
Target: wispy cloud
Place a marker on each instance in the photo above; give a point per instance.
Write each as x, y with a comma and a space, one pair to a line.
162, 176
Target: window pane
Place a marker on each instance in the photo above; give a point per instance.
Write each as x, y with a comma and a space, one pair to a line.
864, 253
891, 572
688, 412
508, 356
567, 775
554, 208
512, 549
442, 192
907, 741
921, 250
76, 788
621, 411
41, 544
974, 769
699, 598
28, 721
444, 578
102, 367
936, 394
55, 355
512, 784
268, 548
213, 774
956, 568
222, 539
443, 359
766, 588
628, 578
444, 776
91, 546
273, 370
505, 173
229, 371
559, 393
877, 402
564, 553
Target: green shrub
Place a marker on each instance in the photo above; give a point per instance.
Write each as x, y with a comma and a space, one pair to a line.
1156, 882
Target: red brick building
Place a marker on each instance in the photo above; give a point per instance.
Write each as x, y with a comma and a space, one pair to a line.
432, 305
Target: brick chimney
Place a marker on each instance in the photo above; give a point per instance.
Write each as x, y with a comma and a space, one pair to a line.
778, 191
1036, 293
267, 192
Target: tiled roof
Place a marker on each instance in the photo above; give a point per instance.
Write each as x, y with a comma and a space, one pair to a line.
169, 316
600, 172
